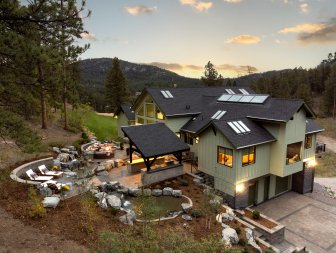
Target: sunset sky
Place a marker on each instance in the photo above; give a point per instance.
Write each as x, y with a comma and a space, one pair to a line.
183, 35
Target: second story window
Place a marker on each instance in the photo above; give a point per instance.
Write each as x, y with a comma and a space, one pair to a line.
248, 156
188, 138
308, 141
225, 156
293, 153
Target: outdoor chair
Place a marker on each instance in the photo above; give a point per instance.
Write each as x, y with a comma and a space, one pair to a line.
45, 172
34, 177
53, 185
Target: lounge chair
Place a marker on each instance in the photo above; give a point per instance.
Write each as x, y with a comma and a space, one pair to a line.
34, 177
45, 172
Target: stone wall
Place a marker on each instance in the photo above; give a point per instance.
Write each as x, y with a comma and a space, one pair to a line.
156, 176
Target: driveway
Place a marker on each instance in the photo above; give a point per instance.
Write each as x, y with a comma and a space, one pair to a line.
309, 222
330, 142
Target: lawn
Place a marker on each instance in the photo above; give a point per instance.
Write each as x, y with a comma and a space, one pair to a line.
329, 125
326, 166
104, 127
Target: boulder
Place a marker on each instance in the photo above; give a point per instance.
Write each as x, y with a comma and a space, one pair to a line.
102, 203
134, 192
103, 187
51, 202
45, 191
167, 191
197, 181
147, 192
157, 192
70, 174
95, 181
251, 241
128, 218
100, 168
113, 201
186, 207
100, 195
177, 193
56, 150
186, 217
65, 150
123, 190
229, 235
112, 186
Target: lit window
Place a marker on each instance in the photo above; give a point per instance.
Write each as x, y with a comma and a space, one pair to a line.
140, 121
225, 156
159, 115
149, 121
150, 110
197, 140
293, 153
178, 134
141, 111
188, 138
308, 141
248, 156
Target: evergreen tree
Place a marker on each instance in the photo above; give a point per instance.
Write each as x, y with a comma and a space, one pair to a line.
329, 95
116, 87
228, 83
210, 77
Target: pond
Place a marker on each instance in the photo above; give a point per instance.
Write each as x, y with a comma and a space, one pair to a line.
164, 205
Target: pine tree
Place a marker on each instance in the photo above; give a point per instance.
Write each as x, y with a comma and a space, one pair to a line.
210, 77
116, 87
329, 95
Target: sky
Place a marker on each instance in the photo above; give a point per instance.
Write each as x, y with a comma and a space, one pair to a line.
237, 36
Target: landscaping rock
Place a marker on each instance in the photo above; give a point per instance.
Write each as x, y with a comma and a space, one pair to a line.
156, 192
167, 191
128, 218
186, 217
45, 191
112, 186
100, 195
56, 150
70, 174
186, 207
197, 181
51, 202
102, 203
134, 192
65, 150
147, 192
229, 235
113, 201
251, 241
103, 187
100, 168
123, 190
177, 193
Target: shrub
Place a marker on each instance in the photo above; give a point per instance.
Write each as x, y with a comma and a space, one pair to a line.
242, 242
256, 215
85, 136
195, 213
37, 209
238, 230
184, 183
114, 211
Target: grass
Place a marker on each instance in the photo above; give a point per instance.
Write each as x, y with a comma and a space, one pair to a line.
326, 166
329, 125
104, 127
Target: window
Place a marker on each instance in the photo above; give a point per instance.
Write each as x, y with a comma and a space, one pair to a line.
141, 111
150, 110
293, 153
149, 121
248, 156
159, 115
178, 134
188, 138
225, 156
308, 141
140, 121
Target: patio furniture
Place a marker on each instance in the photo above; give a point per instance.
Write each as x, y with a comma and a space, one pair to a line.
45, 172
34, 177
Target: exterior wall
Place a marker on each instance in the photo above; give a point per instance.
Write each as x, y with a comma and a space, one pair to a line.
122, 121
175, 123
143, 103
310, 152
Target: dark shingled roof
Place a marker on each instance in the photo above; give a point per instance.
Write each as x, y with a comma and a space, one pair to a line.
154, 139
126, 108
312, 127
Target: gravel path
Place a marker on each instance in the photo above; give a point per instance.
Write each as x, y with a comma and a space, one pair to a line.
327, 181
331, 143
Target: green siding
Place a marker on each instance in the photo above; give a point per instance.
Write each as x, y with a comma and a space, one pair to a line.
310, 152
122, 121
175, 123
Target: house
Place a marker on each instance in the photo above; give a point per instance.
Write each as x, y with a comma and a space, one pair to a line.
125, 116
250, 147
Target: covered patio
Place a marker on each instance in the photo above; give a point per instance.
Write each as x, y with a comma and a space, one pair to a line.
159, 149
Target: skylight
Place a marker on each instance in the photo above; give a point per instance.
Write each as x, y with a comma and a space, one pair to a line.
230, 91
259, 99
243, 98
244, 91
235, 98
239, 127
166, 94
219, 114
224, 97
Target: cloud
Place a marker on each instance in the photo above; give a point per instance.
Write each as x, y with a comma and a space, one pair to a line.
233, 1
228, 68
140, 9
280, 42
243, 39
303, 28
88, 36
304, 8
200, 6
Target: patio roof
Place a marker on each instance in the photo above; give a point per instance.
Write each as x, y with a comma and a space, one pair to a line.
153, 140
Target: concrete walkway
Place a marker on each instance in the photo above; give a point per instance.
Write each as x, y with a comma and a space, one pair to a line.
309, 222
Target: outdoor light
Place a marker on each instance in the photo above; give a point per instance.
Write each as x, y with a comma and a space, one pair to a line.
312, 163
240, 188
197, 139
159, 115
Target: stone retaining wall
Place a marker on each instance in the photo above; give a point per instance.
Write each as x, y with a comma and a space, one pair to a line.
156, 176
21, 170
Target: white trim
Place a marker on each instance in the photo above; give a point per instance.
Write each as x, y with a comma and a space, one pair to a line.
255, 144
317, 131
181, 114
266, 119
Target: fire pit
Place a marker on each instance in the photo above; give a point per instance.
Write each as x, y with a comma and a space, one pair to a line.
101, 150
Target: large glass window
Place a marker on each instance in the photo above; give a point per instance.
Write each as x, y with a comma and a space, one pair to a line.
159, 115
150, 110
140, 121
293, 153
225, 156
308, 141
248, 156
141, 111
188, 138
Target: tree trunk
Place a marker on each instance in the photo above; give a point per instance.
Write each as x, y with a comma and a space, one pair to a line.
334, 107
65, 109
42, 98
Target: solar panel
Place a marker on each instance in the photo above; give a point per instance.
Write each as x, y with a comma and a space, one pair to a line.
239, 126
165, 95
169, 94
224, 97
235, 98
220, 115
216, 114
246, 99
234, 128
244, 126
259, 99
